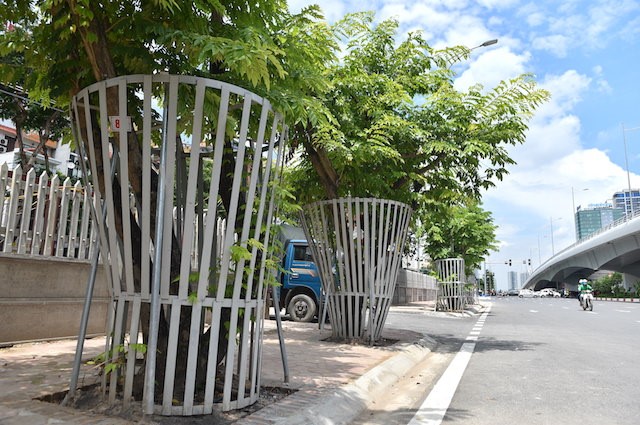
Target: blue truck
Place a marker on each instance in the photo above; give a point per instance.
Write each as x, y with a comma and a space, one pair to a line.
300, 292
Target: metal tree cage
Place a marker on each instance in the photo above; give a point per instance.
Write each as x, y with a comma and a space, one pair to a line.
185, 330
451, 281
357, 244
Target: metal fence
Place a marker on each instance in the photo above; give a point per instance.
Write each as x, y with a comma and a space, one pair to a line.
44, 217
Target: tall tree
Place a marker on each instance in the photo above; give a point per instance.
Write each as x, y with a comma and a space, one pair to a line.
392, 125
67, 45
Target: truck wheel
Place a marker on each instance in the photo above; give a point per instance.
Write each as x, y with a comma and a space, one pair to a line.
302, 308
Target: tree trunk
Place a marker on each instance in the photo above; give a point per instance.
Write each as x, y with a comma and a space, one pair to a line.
321, 162
103, 68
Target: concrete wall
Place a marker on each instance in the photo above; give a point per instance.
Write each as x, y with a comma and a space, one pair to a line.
43, 298
414, 286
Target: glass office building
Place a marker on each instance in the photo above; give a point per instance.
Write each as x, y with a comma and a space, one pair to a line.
595, 217
628, 201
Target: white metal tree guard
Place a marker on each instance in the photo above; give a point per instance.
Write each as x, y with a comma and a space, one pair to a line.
451, 281
357, 244
186, 325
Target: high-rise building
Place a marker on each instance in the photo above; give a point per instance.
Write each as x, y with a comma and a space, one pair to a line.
513, 280
595, 217
628, 201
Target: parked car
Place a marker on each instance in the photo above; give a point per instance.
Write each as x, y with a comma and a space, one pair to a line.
512, 292
527, 293
549, 292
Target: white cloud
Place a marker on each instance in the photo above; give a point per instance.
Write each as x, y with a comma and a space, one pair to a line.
427, 17
497, 4
566, 91
601, 83
492, 66
556, 44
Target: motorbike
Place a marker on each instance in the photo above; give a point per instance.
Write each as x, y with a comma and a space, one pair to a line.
586, 300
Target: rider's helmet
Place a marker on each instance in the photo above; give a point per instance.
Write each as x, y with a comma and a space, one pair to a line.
583, 281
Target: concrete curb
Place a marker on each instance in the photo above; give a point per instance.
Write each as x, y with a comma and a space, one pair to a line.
342, 405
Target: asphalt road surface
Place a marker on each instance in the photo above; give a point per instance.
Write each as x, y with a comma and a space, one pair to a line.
528, 361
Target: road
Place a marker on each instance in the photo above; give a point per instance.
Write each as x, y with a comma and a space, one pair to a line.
535, 361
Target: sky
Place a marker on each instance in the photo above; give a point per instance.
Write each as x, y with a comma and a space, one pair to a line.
586, 53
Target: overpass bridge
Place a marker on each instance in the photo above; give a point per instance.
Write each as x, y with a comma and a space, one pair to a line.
613, 248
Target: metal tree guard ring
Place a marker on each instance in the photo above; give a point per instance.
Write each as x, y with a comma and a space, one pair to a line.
207, 285
357, 244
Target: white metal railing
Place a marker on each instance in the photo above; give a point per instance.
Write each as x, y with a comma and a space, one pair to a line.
619, 222
45, 218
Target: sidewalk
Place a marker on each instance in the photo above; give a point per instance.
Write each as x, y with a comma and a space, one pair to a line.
333, 381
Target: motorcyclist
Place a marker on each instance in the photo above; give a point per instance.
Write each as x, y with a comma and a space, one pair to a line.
583, 287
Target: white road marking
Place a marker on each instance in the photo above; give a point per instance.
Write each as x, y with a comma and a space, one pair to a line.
623, 311
435, 406
533, 311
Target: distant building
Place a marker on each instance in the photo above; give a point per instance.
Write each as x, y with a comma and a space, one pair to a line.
513, 280
523, 278
60, 157
595, 217
628, 201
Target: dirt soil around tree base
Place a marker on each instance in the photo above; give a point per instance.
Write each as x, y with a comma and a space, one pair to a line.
90, 399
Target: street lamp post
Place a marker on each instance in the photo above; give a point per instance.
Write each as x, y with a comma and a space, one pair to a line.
553, 251
485, 44
626, 163
574, 212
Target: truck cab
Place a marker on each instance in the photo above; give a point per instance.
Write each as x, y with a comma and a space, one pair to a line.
300, 292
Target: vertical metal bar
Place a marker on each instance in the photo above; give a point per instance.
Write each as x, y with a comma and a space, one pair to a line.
125, 211
61, 238
172, 347
73, 237
12, 212
145, 214
131, 356
38, 224
82, 333
150, 373
26, 212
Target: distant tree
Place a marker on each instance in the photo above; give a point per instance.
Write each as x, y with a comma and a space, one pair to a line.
49, 123
460, 231
491, 281
608, 285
